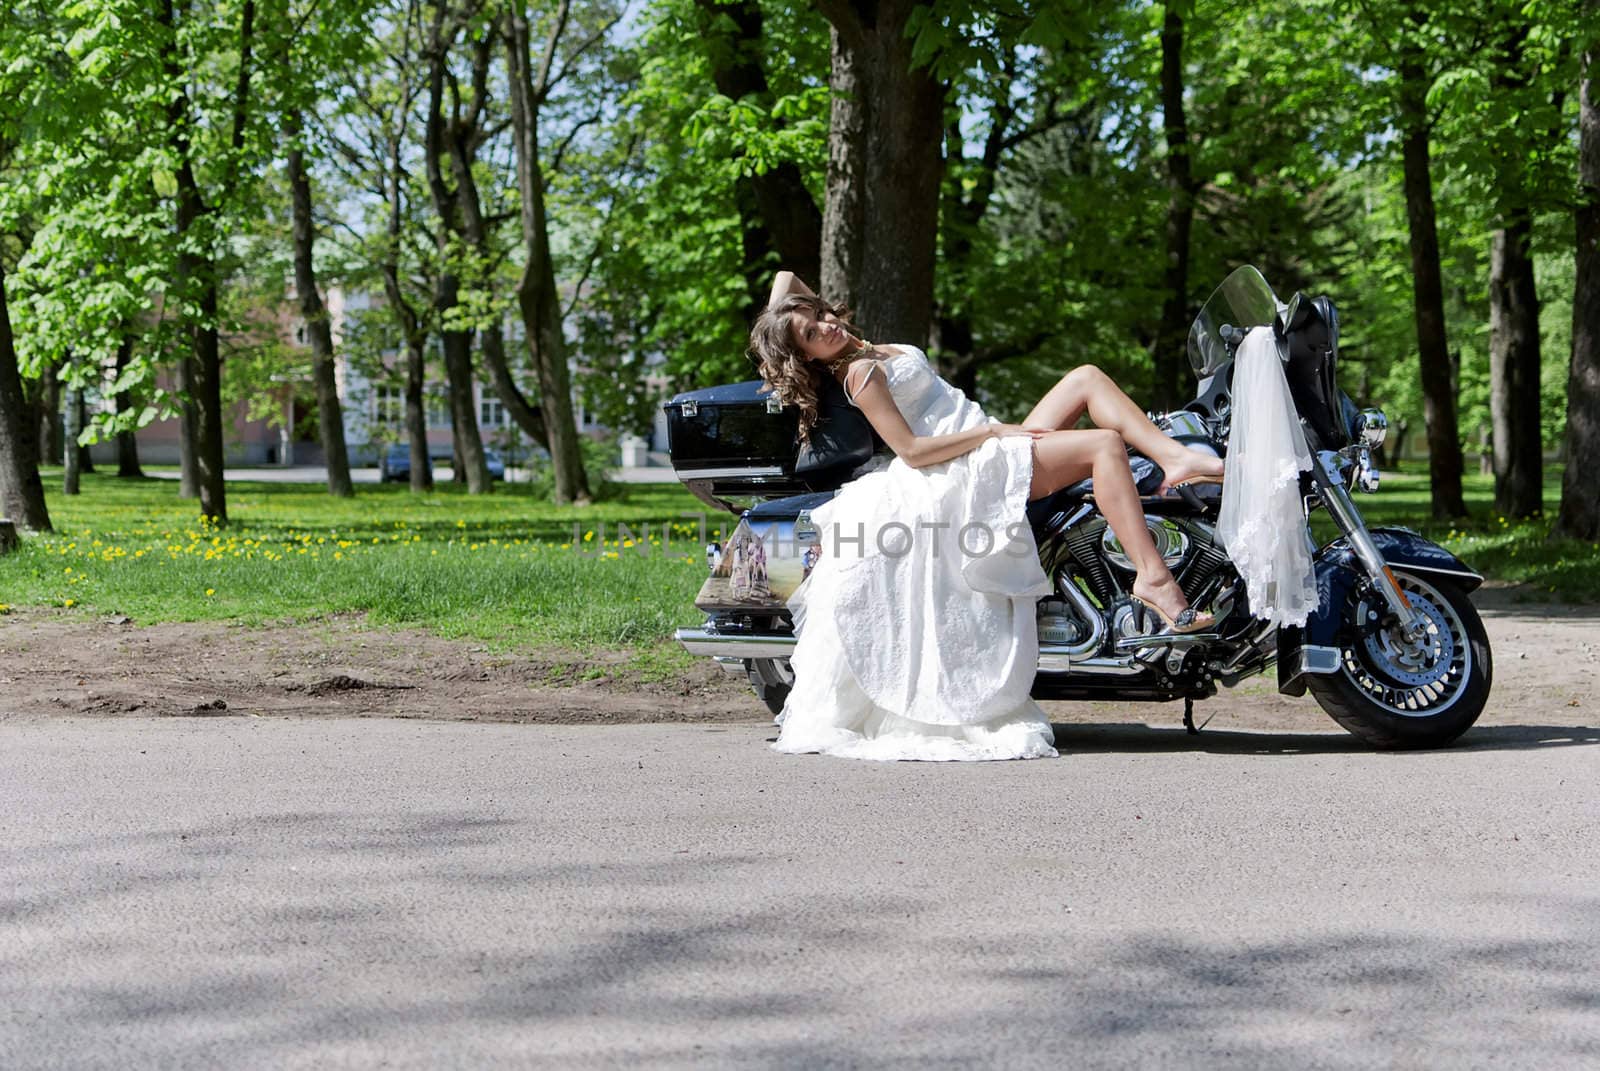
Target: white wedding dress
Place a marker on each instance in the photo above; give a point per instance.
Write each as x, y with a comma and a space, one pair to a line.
916, 630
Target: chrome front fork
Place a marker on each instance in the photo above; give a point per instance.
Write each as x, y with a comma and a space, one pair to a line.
1325, 469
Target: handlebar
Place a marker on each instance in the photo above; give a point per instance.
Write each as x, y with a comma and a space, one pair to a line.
1232, 336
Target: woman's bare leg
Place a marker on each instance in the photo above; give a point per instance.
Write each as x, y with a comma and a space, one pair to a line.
1088, 389
1065, 457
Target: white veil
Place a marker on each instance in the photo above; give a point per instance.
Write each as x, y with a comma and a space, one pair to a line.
1262, 523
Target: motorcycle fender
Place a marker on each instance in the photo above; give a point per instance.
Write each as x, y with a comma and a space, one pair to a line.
1314, 648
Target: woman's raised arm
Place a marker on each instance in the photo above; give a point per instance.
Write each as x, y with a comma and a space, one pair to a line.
784, 284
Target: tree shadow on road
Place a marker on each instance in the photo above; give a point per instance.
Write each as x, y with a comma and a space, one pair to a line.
336, 938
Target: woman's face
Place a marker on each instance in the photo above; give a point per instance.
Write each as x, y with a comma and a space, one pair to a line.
818, 338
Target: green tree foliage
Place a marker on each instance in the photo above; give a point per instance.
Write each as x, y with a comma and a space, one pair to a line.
673, 144
670, 274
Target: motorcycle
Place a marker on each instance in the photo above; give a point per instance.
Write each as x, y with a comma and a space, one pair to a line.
1394, 652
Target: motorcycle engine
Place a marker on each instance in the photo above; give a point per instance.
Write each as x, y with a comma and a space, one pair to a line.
1170, 540
1188, 546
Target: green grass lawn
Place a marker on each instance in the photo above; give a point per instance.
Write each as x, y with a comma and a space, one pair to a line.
1518, 552
506, 568
514, 571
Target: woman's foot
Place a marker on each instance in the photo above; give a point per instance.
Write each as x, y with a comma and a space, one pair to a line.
1168, 602
1189, 467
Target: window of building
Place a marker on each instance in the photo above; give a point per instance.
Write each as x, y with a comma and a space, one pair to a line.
492, 414
389, 406
438, 405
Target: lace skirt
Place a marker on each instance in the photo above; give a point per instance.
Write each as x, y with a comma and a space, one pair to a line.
917, 636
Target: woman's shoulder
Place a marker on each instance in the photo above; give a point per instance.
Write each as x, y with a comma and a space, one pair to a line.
855, 377
902, 348
889, 355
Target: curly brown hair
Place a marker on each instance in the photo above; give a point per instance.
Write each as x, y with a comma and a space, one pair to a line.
783, 367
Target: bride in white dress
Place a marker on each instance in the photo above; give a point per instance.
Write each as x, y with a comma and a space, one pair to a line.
915, 630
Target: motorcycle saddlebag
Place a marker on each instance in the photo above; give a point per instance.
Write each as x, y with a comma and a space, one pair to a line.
738, 440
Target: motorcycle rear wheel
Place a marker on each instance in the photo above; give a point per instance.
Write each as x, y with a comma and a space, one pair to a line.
771, 679
1395, 694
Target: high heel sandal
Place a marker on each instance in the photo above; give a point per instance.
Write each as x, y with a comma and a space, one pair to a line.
1187, 621
1193, 481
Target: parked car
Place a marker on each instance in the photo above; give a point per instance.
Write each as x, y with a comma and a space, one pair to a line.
395, 464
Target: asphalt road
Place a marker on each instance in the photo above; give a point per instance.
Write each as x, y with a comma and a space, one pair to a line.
284, 893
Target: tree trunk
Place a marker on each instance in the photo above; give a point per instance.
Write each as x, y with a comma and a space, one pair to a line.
52, 443
85, 459
966, 194
127, 441
187, 213
468, 462
210, 437
417, 416
210, 433
205, 368
412, 329
72, 463
526, 415
1170, 354
1514, 369
777, 211
463, 142
465, 437
188, 421
880, 220
1514, 308
1396, 450
536, 285
330, 414
1438, 392
1579, 517
128, 466
961, 210
21, 490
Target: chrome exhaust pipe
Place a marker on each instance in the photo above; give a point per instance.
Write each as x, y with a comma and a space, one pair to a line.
728, 647
701, 641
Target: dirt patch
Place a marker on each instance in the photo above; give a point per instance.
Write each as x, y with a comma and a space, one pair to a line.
1547, 664
56, 662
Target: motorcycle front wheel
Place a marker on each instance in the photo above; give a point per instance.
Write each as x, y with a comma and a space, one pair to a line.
1395, 693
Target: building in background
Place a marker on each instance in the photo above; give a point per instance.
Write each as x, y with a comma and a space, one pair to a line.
282, 428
